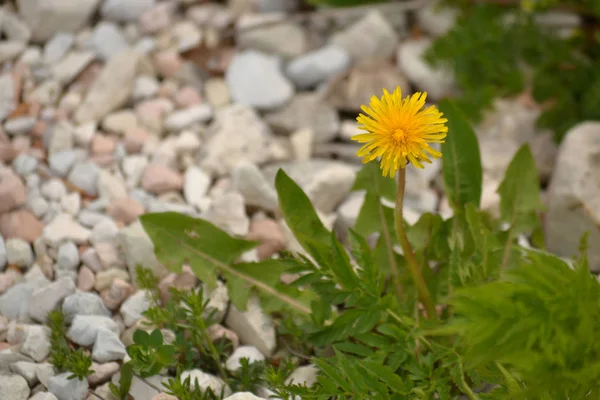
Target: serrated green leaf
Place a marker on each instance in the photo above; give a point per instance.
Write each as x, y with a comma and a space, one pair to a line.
461, 159
301, 217
340, 265
180, 239
520, 192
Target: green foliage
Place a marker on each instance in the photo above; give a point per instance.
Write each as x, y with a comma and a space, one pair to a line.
121, 391
148, 353
500, 50
344, 3
513, 323
62, 355
463, 174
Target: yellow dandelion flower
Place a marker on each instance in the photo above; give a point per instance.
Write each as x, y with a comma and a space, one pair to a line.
400, 131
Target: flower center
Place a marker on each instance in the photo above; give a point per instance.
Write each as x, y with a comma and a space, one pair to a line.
399, 136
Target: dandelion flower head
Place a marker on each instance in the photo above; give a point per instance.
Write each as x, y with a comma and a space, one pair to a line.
400, 131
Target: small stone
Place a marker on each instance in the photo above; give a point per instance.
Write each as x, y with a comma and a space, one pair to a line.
3, 259
217, 92
46, 299
159, 179
437, 82
105, 278
250, 353
134, 306
53, 189
19, 253
228, 212
68, 256
83, 304
318, 66
20, 224
19, 125
111, 89
120, 122
108, 40
12, 191
164, 396
255, 79
43, 396
219, 332
10, 49
188, 97
125, 209
272, 34
116, 294
249, 181
85, 176
102, 144
436, 19
14, 303
253, 326
14, 387
57, 47
185, 281
108, 347
27, 370
85, 279
102, 372
71, 203
37, 342
145, 87
244, 396
104, 231
7, 100
61, 162
307, 111
15, 28
44, 372
90, 259
139, 250
67, 389
370, 38
24, 164
184, 118
84, 328
157, 18
305, 375
63, 228
195, 186
125, 10
205, 381
135, 140
269, 234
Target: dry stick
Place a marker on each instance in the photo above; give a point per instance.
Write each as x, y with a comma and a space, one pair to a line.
411, 260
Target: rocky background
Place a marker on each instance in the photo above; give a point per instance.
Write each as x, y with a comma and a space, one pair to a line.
113, 108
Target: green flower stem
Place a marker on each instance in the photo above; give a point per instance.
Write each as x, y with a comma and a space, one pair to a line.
409, 255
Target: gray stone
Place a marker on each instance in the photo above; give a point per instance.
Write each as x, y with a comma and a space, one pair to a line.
67, 389
61, 162
228, 212
205, 381
139, 250
48, 18
27, 370
145, 87
61, 137
253, 326
14, 387
37, 342
134, 306
306, 110
318, 66
10, 49
271, 33
19, 125
108, 40
85, 176
437, 19
249, 352
125, 10
46, 299
196, 183
248, 396
104, 231
19, 253
372, 38
305, 375
108, 347
90, 218
44, 372
239, 134
437, 82
65, 70
83, 303
71, 203
249, 181
15, 28
111, 89
84, 328
53, 189
43, 396
57, 47
64, 228
255, 79
14, 303
25, 164
183, 118
574, 195
102, 373
3, 260
7, 95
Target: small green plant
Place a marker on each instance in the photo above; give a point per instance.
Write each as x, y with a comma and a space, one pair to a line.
121, 391
62, 355
492, 320
148, 353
